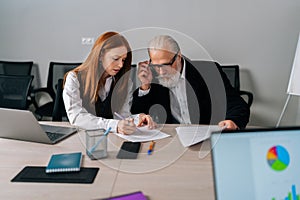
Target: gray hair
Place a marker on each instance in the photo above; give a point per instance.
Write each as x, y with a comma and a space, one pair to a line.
164, 42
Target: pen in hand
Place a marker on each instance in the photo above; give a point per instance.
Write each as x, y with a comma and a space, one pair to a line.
123, 118
119, 116
129, 125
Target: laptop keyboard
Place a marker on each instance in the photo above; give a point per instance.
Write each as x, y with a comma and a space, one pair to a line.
54, 136
57, 132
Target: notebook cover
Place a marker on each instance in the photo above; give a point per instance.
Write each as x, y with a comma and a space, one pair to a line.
64, 162
38, 174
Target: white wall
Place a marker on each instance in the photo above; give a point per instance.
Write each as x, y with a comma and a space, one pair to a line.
260, 36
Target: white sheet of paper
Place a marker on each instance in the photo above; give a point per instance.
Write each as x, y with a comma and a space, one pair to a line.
144, 134
189, 135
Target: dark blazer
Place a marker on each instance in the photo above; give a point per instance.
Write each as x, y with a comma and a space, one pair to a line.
210, 96
156, 103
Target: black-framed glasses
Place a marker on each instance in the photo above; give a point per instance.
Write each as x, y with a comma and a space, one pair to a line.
164, 64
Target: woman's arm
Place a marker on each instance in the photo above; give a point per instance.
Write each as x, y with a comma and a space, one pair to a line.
77, 114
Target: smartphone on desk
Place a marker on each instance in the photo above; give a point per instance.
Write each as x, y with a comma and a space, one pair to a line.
129, 150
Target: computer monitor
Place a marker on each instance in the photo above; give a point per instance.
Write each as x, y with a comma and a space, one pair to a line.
257, 164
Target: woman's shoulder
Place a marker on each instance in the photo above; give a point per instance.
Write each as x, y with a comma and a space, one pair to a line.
72, 76
71, 79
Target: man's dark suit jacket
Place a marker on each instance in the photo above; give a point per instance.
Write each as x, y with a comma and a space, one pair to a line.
210, 96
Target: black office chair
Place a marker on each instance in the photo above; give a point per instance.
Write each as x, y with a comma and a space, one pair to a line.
233, 74
59, 110
14, 91
22, 68
16, 68
56, 71
133, 76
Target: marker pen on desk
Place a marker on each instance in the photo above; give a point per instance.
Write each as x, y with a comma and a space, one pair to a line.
151, 147
98, 142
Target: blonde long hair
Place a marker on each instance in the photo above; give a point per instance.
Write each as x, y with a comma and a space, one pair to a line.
92, 71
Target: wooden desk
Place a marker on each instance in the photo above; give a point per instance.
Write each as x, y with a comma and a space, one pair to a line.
171, 172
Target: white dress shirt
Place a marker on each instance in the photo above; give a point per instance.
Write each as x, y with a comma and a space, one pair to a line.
178, 98
79, 116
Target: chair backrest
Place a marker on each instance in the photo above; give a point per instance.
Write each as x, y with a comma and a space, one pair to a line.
59, 110
233, 74
133, 76
14, 91
57, 70
15, 68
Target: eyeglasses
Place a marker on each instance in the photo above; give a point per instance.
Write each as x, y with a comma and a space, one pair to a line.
164, 64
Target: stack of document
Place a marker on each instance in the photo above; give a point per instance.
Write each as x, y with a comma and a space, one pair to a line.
190, 135
143, 134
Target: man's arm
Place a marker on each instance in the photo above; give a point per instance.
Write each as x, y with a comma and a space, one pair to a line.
156, 103
238, 110
151, 98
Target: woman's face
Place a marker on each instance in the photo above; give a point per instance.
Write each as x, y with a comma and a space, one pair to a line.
113, 60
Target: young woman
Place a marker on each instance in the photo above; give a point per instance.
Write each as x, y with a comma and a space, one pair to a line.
99, 87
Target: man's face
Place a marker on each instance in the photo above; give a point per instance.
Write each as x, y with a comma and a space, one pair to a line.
167, 65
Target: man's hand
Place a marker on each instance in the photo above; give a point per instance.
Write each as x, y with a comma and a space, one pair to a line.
230, 125
144, 75
146, 120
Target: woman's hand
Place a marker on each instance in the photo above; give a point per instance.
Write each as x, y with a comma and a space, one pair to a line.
146, 120
126, 126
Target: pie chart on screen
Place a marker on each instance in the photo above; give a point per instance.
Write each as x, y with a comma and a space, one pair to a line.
278, 158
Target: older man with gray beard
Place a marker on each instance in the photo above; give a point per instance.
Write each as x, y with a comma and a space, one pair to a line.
170, 80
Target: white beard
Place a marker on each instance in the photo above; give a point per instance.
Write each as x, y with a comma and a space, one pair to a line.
168, 81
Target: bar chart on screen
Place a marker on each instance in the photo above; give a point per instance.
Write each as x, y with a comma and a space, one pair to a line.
292, 195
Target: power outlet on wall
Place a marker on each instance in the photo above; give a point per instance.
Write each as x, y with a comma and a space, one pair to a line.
87, 40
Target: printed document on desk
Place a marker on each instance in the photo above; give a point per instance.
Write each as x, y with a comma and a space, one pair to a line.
190, 135
143, 134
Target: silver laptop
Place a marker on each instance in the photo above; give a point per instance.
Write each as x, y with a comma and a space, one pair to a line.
22, 125
257, 164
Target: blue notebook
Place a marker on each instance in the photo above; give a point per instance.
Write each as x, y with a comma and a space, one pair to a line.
69, 162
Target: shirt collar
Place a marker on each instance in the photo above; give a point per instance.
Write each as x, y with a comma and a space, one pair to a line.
182, 76
109, 78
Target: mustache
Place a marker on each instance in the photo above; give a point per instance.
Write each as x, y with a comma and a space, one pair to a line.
164, 76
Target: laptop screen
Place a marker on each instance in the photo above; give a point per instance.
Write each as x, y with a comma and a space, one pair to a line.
257, 164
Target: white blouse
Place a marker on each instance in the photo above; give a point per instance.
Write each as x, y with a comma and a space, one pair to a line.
79, 116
